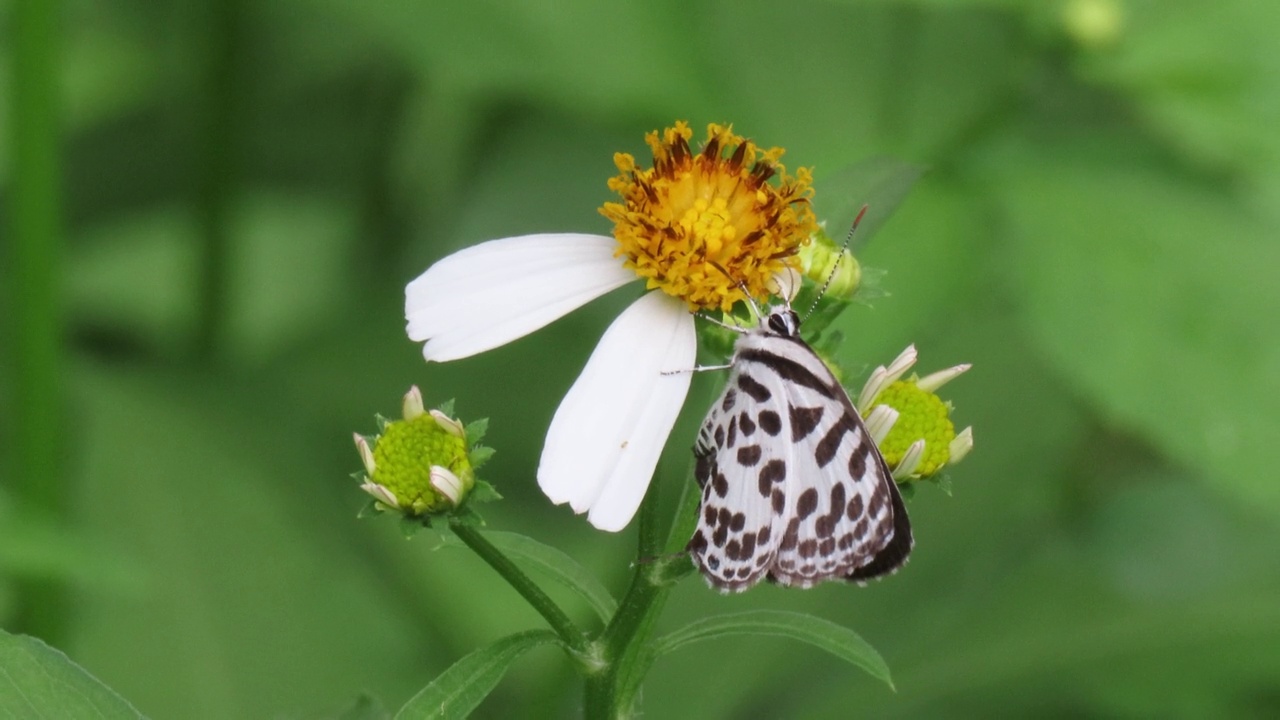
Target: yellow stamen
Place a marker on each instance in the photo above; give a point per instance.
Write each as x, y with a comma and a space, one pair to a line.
703, 227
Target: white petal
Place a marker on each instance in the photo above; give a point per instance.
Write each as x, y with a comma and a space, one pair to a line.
960, 446
786, 284
448, 424
381, 494
412, 406
605, 439
933, 381
880, 422
446, 483
910, 461
492, 293
366, 454
882, 377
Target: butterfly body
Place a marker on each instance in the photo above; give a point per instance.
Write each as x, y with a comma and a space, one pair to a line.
794, 489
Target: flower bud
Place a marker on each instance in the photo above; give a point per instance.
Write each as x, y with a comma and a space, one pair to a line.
419, 465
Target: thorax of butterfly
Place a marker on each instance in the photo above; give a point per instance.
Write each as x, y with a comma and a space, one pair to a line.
794, 489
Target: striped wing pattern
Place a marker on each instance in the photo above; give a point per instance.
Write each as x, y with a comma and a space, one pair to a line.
793, 488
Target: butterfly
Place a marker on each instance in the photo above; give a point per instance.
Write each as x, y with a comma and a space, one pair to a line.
794, 489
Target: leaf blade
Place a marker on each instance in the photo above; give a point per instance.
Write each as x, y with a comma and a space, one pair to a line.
553, 563
460, 689
37, 681
823, 634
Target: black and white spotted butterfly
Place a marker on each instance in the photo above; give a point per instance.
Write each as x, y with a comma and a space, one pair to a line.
794, 489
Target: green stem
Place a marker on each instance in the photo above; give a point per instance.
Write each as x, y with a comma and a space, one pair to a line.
571, 634
217, 170
36, 418
611, 692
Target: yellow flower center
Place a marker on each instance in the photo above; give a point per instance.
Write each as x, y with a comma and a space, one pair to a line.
705, 227
921, 415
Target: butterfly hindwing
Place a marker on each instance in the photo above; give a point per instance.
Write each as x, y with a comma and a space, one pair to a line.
743, 480
794, 488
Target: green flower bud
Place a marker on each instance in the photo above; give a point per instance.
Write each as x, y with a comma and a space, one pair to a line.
909, 422
922, 418
821, 257
420, 465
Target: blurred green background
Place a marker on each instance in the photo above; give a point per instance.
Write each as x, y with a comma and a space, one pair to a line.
208, 301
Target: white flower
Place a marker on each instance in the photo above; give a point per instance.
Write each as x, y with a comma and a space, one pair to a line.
605, 439
702, 229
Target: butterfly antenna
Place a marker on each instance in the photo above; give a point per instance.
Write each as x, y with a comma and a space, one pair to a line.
836, 267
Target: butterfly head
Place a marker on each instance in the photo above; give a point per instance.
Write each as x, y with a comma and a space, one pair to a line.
782, 320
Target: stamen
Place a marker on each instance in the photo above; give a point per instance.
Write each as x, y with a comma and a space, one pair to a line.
704, 228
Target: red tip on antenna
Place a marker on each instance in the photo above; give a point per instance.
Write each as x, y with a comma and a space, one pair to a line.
861, 212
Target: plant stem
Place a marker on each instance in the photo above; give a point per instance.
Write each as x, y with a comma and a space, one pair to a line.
217, 126
36, 331
571, 634
611, 692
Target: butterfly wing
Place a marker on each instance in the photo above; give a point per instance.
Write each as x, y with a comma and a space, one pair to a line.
794, 488
743, 498
845, 517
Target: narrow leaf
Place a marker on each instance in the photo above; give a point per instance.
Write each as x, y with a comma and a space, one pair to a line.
37, 681
880, 183
461, 688
553, 563
823, 634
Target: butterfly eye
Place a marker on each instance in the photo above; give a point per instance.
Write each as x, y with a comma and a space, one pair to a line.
784, 322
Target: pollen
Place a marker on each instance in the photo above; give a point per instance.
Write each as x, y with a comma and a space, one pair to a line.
706, 227
922, 415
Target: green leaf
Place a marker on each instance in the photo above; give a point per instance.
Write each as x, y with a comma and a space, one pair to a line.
1202, 77
483, 492
461, 688
823, 634
881, 184
480, 455
476, 430
37, 681
446, 407
556, 565
1154, 293
411, 526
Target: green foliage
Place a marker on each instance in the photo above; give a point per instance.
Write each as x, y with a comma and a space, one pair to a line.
553, 564
1095, 231
458, 690
824, 634
40, 682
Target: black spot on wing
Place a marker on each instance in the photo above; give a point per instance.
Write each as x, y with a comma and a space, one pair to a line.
704, 465
830, 443
803, 421
730, 396
774, 471
858, 461
806, 503
750, 386
770, 422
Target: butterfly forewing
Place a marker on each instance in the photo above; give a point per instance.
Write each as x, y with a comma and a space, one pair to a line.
793, 487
